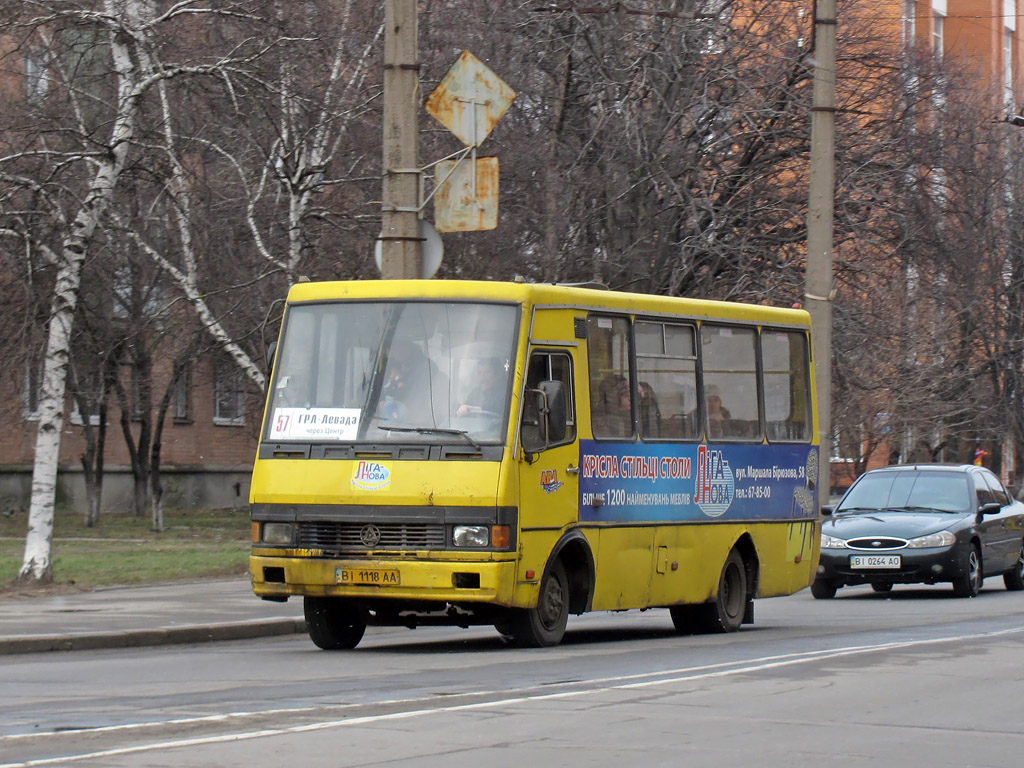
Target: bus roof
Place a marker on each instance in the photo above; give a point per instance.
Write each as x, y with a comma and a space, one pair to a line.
543, 294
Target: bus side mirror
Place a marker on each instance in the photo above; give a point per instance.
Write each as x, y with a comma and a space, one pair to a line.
552, 412
271, 351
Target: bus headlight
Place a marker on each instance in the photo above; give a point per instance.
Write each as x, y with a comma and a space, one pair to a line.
471, 535
277, 533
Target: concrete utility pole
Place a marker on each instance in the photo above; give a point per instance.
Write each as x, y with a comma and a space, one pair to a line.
400, 222
821, 204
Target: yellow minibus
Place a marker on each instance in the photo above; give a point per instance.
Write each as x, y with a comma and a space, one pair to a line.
508, 454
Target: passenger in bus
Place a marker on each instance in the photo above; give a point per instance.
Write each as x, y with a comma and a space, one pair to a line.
717, 413
488, 396
610, 410
622, 414
415, 390
649, 413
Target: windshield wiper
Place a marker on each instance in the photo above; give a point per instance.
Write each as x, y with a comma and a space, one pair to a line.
434, 431
914, 508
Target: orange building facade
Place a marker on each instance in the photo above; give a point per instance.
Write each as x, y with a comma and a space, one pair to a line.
984, 39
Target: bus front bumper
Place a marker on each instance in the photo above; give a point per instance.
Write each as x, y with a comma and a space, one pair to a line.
437, 581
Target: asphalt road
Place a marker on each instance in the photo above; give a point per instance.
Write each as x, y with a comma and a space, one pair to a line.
913, 678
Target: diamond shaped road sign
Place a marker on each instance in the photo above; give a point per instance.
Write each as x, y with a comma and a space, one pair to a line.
470, 100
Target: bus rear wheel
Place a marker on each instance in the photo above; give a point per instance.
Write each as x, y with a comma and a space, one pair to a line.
544, 625
333, 624
725, 613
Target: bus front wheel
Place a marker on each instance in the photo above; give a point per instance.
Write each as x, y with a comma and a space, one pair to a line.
544, 625
333, 624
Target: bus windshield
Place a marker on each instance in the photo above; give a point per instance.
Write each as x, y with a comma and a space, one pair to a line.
393, 372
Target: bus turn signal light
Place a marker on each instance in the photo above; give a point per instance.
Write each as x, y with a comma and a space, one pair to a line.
499, 536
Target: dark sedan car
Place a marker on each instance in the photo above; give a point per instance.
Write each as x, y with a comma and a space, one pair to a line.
922, 524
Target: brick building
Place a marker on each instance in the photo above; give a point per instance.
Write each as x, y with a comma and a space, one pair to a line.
208, 442
211, 425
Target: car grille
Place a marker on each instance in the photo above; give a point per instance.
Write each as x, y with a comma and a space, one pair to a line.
365, 537
876, 543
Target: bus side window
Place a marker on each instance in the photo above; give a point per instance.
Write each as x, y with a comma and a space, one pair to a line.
785, 370
667, 371
731, 402
547, 366
608, 349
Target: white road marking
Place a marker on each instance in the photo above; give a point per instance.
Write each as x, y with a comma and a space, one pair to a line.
591, 687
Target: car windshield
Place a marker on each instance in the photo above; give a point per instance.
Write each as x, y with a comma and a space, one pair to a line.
393, 372
910, 490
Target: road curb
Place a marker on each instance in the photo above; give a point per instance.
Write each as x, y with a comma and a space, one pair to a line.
137, 638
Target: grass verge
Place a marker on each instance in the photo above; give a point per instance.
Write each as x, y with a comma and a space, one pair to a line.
122, 549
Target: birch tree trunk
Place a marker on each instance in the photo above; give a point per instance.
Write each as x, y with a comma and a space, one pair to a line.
37, 565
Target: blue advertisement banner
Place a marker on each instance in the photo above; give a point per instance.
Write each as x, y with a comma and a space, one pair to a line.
639, 482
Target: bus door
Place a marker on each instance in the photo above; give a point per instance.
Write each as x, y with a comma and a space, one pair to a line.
548, 456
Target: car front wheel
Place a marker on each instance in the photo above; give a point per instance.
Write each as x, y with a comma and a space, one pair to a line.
968, 584
824, 589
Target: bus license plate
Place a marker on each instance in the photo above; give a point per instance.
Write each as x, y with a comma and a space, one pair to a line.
385, 577
875, 561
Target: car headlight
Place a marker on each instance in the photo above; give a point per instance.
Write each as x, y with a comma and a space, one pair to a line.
277, 533
471, 535
940, 539
831, 542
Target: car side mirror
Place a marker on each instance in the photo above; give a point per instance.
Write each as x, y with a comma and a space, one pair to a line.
827, 511
990, 509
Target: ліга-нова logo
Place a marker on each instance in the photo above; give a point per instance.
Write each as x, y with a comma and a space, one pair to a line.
371, 476
716, 486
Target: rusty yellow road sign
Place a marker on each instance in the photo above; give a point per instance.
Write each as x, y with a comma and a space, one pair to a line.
464, 201
470, 100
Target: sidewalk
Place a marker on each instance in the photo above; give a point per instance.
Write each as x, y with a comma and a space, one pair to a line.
127, 617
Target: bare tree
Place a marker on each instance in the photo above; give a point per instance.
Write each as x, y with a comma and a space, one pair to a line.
655, 145
98, 59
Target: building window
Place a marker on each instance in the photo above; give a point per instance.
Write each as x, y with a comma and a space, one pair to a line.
88, 392
228, 394
37, 80
1008, 70
909, 23
91, 406
180, 411
718, 24
135, 393
846, 445
33, 388
938, 25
